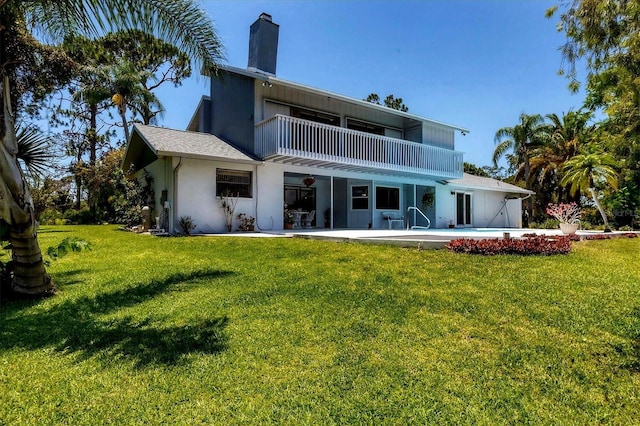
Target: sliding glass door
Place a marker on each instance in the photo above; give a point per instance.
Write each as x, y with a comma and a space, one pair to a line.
463, 209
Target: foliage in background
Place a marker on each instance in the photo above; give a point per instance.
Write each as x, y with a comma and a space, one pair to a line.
522, 139
590, 173
472, 169
607, 36
390, 102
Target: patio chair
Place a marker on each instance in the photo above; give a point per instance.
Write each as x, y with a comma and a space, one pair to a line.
297, 217
393, 217
309, 218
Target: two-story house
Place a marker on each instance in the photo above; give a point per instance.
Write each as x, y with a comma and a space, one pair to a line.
273, 142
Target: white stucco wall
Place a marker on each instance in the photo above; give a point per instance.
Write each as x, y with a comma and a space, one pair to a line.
487, 208
196, 195
196, 189
445, 206
491, 212
515, 213
270, 196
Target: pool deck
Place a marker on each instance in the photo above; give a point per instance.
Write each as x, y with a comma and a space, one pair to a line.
429, 238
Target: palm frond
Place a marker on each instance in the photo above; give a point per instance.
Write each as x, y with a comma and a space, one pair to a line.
500, 150
34, 150
178, 22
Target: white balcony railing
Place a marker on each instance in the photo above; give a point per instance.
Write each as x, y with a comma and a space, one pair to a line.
289, 139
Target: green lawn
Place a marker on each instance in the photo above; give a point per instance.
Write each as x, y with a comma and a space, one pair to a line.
148, 330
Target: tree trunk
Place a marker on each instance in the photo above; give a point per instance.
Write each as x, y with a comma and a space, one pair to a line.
600, 209
16, 209
527, 170
122, 108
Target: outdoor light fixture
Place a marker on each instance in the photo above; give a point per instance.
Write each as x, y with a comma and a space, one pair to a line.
266, 84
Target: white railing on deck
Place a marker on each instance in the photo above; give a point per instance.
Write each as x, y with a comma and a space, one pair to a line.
293, 137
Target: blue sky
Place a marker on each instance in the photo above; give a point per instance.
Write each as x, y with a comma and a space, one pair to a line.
478, 64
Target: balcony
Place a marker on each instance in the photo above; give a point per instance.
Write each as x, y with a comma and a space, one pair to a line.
291, 140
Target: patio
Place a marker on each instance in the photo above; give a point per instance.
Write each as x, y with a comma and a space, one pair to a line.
430, 238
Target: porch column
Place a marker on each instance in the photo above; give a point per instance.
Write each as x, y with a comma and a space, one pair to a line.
331, 206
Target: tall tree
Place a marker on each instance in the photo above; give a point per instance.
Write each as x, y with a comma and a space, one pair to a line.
390, 102
532, 132
179, 22
585, 172
472, 169
567, 134
124, 67
605, 35
139, 63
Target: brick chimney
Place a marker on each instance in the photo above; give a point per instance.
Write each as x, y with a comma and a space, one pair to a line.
263, 44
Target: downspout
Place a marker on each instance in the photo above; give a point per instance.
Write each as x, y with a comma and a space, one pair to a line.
175, 194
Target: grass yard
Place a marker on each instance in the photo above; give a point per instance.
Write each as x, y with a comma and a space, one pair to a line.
148, 330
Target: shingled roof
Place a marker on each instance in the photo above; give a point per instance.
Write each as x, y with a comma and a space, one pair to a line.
148, 143
487, 184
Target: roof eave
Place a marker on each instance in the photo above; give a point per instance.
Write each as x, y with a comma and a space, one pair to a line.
131, 154
510, 190
208, 157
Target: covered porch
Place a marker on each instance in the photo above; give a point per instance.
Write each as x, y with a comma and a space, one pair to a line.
356, 202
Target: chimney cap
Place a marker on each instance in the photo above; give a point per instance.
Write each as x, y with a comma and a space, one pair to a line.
265, 16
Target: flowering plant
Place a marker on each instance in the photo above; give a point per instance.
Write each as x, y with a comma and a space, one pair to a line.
565, 212
288, 216
246, 222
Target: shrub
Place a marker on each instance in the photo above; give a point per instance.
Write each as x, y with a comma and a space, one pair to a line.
609, 236
187, 224
547, 224
50, 217
533, 245
84, 216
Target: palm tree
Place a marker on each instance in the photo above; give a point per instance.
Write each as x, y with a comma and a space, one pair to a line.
522, 139
179, 22
567, 134
130, 93
34, 150
583, 172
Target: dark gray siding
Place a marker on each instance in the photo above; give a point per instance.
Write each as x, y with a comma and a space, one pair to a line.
232, 108
205, 112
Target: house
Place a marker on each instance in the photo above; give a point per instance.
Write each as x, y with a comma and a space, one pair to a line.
272, 142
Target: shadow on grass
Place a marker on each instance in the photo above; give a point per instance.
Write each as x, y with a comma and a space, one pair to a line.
68, 277
634, 356
53, 231
76, 327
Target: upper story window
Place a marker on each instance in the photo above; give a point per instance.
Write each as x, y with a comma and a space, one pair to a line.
315, 116
233, 182
363, 126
